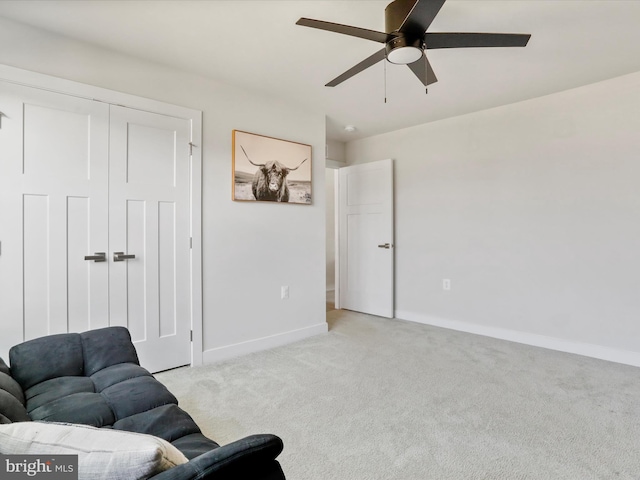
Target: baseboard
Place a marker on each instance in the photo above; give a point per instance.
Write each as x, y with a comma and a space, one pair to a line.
552, 343
265, 343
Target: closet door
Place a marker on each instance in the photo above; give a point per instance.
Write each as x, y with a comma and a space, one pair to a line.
53, 213
150, 281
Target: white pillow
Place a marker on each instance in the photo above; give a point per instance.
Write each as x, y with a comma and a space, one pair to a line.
103, 453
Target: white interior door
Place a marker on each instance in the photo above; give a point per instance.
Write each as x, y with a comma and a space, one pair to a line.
79, 177
149, 205
53, 212
366, 259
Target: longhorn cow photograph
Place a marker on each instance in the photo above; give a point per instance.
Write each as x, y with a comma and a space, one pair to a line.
267, 169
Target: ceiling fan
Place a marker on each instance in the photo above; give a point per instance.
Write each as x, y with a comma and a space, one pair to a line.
406, 39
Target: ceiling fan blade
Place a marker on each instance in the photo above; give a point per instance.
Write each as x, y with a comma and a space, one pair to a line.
464, 40
421, 16
380, 37
366, 63
424, 72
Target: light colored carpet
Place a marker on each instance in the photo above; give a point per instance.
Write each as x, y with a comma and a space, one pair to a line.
388, 399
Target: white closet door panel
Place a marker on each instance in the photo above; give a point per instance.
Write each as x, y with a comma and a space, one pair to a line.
54, 183
167, 268
50, 130
150, 218
79, 270
135, 298
151, 156
36, 261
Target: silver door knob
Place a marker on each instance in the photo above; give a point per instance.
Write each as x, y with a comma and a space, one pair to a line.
385, 245
98, 257
121, 257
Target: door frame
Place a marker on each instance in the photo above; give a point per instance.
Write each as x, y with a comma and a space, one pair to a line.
90, 92
336, 237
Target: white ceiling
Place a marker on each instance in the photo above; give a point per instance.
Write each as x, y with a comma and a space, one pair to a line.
256, 44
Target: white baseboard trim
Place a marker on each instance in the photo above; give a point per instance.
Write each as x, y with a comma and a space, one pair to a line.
265, 343
552, 343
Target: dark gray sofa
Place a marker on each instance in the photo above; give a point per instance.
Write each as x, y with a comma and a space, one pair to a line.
94, 378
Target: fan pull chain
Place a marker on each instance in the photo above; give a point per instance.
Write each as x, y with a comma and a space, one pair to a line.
385, 81
426, 70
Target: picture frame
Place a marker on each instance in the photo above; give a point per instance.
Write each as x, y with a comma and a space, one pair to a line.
268, 169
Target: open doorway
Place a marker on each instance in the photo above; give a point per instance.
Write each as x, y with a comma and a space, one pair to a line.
334, 161
330, 183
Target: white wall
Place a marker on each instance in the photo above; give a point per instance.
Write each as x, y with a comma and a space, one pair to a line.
336, 150
249, 249
533, 211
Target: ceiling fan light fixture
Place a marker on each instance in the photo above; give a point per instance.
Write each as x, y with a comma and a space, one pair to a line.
406, 38
404, 55
402, 52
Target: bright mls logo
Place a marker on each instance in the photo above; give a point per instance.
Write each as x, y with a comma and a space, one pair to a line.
58, 467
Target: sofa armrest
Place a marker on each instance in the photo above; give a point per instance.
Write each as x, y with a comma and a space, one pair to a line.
255, 453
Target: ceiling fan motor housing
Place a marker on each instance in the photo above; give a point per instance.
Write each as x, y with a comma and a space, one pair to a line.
407, 47
395, 14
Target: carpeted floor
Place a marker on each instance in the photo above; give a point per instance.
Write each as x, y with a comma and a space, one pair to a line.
388, 399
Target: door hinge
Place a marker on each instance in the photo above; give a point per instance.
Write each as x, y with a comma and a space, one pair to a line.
190, 242
191, 336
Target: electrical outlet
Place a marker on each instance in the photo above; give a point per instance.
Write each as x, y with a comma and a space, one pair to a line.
446, 284
284, 292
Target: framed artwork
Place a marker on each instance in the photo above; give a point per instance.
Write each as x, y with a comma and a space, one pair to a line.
267, 169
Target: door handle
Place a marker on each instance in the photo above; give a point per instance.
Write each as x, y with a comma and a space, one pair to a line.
121, 257
98, 257
385, 245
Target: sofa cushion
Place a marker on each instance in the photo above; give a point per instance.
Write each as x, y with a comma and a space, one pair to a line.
70, 354
48, 357
105, 347
168, 422
84, 407
136, 395
11, 408
102, 452
4, 368
56, 388
117, 373
10, 386
11, 398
